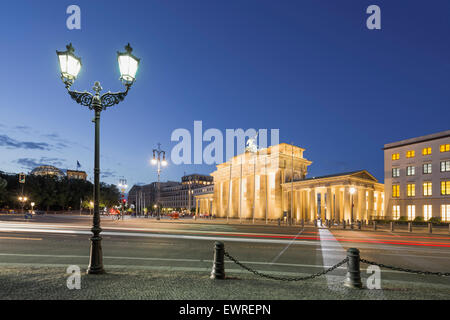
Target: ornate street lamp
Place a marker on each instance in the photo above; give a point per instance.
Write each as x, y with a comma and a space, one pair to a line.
70, 66
22, 200
122, 186
156, 160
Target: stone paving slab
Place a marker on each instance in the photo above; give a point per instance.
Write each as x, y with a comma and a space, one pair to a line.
29, 282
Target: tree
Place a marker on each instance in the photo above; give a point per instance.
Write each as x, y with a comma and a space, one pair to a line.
53, 193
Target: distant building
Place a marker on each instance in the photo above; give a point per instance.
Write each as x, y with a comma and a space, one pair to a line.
47, 170
180, 196
173, 195
144, 196
417, 177
75, 174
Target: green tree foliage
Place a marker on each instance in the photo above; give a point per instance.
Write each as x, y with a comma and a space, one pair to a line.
51, 193
3, 184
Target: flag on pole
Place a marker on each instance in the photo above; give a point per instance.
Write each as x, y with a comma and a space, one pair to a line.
78, 164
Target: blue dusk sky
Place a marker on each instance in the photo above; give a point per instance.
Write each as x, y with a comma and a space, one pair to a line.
309, 68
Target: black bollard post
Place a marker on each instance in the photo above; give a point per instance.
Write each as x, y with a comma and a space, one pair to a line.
374, 225
410, 226
303, 223
353, 279
430, 227
392, 226
218, 270
359, 225
343, 224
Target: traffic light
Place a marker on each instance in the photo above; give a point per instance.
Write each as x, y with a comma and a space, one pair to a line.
21, 177
124, 201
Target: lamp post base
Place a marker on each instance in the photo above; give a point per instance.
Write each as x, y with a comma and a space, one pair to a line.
96, 257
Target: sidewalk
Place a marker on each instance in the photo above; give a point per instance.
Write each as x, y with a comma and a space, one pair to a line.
49, 282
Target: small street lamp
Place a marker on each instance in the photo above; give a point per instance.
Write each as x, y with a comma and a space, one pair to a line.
122, 186
70, 66
156, 160
352, 191
22, 200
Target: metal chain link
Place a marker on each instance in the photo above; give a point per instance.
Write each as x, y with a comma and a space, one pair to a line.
442, 274
312, 276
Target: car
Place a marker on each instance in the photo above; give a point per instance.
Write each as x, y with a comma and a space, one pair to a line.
39, 212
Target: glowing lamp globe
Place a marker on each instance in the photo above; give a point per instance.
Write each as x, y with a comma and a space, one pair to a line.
69, 64
128, 65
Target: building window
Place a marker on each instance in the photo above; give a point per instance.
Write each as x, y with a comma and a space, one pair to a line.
395, 191
427, 168
395, 172
427, 189
426, 151
411, 190
445, 166
395, 156
410, 171
427, 211
445, 188
445, 212
410, 154
395, 212
444, 147
411, 212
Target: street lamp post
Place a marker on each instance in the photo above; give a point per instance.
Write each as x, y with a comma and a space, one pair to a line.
22, 200
352, 191
70, 66
156, 160
122, 186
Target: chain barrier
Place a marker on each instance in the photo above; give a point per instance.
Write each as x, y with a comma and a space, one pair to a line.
312, 276
442, 274
318, 274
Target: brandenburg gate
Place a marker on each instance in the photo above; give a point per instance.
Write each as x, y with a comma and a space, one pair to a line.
272, 183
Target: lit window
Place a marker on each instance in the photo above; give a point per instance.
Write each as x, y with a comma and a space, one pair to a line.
427, 189
445, 187
427, 211
395, 191
410, 171
395, 172
445, 212
395, 156
410, 154
445, 166
444, 147
426, 151
411, 212
395, 212
411, 190
427, 168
